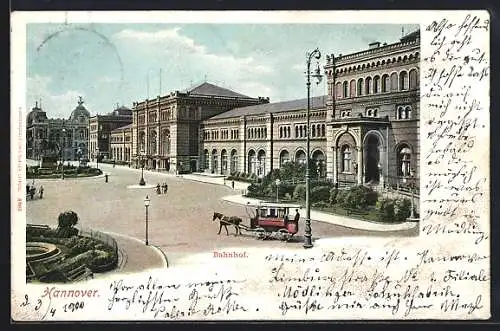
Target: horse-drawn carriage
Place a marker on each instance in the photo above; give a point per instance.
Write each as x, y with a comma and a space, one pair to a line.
270, 220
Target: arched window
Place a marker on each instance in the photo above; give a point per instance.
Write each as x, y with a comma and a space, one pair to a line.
360, 87
323, 133
224, 161
313, 131
400, 114
404, 160
234, 160
403, 80
339, 90
281, 132
301, 131
375, 112
385, 83
407, 112
296, 132
345, 92
376, 84
352, 88
346, 158
288, 132
215, 161
284, 157
369, 112
394, 82
252, 162
368, 85
413, 79
300, 157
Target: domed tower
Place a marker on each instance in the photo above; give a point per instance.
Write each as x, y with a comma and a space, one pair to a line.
36, 132
79, 121
80, 113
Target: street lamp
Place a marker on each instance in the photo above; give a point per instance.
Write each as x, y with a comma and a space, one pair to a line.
278, 182
317, 74
142, 182
146, 204
412, 187
62, 152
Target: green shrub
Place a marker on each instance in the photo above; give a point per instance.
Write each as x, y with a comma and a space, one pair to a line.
360, 197
333, 195
402, 209
340, 197
385, 210
320, 194
254, 190
299, 193
320, 204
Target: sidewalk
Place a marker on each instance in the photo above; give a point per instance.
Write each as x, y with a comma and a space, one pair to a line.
135, 256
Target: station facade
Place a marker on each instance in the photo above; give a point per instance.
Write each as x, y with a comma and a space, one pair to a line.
364, 130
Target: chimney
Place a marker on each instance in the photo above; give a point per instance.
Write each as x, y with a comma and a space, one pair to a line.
375, 44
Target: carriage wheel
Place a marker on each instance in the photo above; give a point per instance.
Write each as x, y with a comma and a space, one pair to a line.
260, 233
283, 234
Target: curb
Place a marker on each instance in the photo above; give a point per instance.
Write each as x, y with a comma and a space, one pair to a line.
165, 259
162, 254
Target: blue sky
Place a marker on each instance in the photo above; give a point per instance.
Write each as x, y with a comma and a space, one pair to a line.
110, 63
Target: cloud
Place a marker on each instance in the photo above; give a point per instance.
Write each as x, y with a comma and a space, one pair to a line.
172, 42
57, 105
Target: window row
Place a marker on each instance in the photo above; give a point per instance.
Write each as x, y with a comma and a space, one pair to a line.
317, 130
403, 112
225, 134
378, 84
257, 133
374, 64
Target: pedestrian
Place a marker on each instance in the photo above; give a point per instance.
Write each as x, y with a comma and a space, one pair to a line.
232, 184
27, 189
166, 188
114, 163
158, 191
41, 191
297, 216
32, 192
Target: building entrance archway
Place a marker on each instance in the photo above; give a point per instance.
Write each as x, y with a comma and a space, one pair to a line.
372, 159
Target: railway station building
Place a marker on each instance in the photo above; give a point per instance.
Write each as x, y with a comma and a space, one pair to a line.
364, 130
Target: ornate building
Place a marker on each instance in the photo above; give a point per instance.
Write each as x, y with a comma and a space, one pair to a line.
100, 128
65, 137
365, 130
373, 110
121, 144
166, 130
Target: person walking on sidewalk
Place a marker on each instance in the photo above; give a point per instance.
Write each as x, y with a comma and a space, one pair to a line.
40, 190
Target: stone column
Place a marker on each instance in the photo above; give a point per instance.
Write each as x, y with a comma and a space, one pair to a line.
360, 165
335, 165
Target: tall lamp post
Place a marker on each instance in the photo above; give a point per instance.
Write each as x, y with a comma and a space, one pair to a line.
278, 182
62, 152
146, 204
317, 74
142, 182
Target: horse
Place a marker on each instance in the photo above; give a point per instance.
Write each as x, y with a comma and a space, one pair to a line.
226, 220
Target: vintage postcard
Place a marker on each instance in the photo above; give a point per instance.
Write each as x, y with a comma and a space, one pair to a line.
208, 166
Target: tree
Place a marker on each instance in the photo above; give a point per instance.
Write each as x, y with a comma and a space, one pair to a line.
66, 222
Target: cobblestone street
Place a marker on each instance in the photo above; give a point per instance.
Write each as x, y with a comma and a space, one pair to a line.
180, 223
